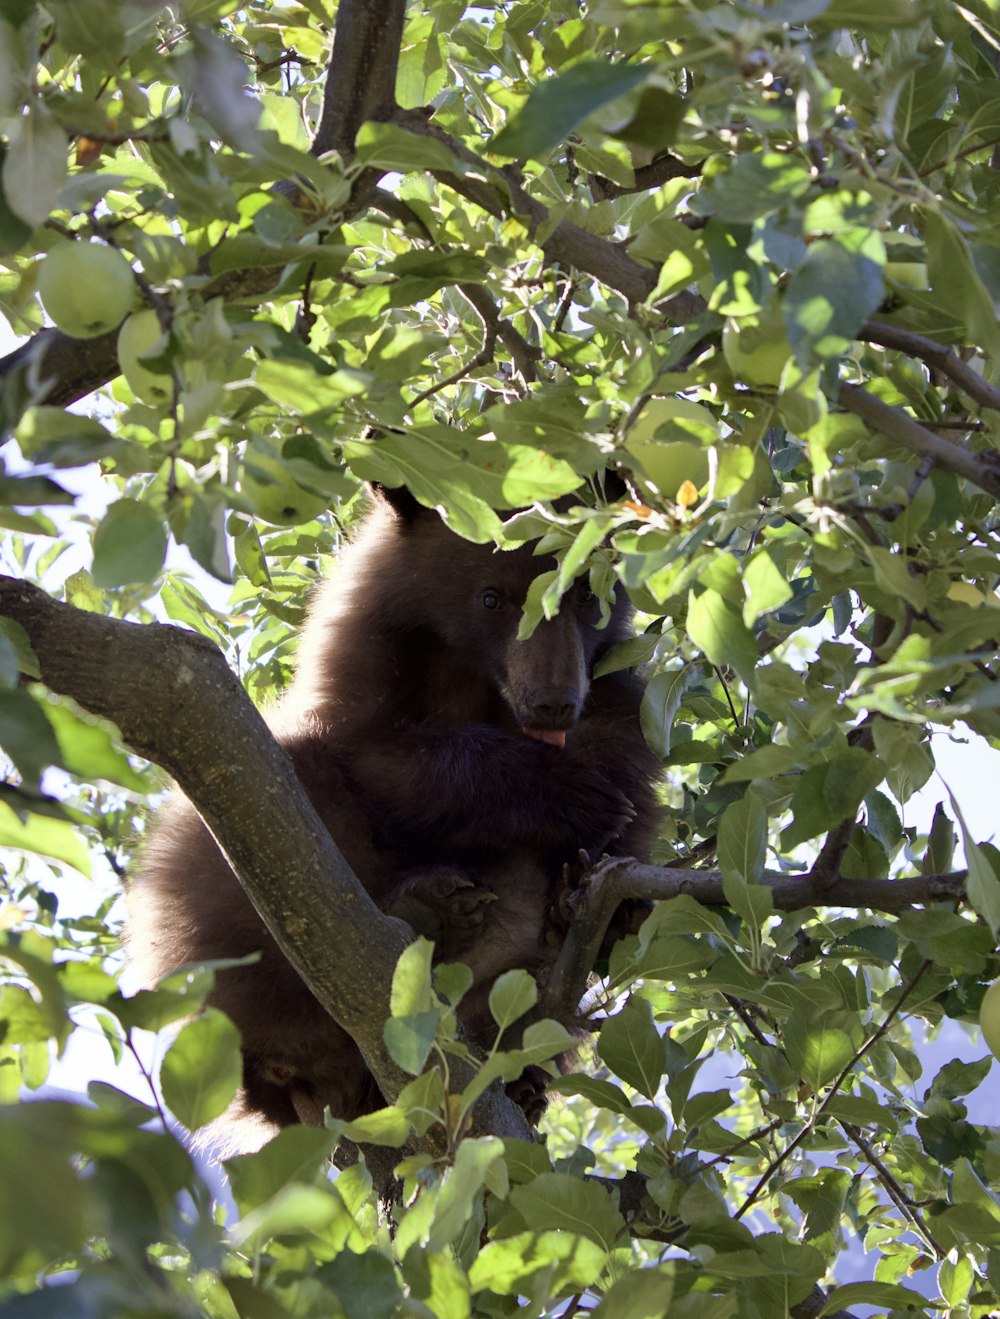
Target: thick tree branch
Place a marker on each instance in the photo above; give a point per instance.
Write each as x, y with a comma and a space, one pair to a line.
176, 702
361, 81
937, 355
618, 880
982, 469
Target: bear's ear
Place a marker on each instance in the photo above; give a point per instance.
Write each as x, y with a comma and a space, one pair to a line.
399, 499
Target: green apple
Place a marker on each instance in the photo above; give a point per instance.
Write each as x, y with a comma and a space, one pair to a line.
141, 332
989, 1018
86, 288
756, 347
271, 492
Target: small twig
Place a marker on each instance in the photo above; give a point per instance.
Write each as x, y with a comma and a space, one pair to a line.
959, 155
759, 1134
729, 700
811, 1122
900, 1199
147, 1077
119, 139
616, 880
743, 1013
525, 355
657, 172
565, 302
482, 358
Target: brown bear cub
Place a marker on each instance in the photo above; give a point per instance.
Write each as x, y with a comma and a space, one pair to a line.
458, 769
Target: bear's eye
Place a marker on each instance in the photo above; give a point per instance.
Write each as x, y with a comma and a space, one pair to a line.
491, 600
587, 597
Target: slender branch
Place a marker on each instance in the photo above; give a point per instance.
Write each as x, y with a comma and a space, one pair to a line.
567, 244
828, 1098
826, 867
631, 1190
982, 469
616, 880
524, 354
892, 1187
653, 175
937, 355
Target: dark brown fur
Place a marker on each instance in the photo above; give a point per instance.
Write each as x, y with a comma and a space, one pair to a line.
405, 723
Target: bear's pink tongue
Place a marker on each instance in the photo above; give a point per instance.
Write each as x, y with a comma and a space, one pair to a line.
556, 737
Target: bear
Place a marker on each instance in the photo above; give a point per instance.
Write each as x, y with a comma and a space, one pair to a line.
460, 771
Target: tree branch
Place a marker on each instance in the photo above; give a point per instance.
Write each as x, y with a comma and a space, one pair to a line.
176, 702
361, 80
617, 880
982, 469
567, 244
937, 355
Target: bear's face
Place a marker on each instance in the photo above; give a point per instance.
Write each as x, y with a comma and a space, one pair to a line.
473, 597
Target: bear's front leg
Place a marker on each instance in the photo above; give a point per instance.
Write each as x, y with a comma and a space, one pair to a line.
443, 903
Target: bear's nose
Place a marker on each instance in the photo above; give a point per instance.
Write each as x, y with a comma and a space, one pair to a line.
553, 707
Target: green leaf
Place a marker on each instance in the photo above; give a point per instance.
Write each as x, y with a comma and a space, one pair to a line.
512, 995
365, 1284
45, 836
717, 629
55, 1208
632, 1047
742, 842
765, 585
14, 231
35, 164
830, 793
296, 1154
410, 1039
88, 749
893, 574
438, 1281
871, 1293
628, 654
411, 982
555, 107
832, 294
941, 842
956, 282
387, 147
26, 733
742, 848
462, 1189
129, 545
983, 884
386, 1126
202, 1069
51, 435
560, 1260
557, 1200
660, 702
642, 1294
305, 389
819, 1049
